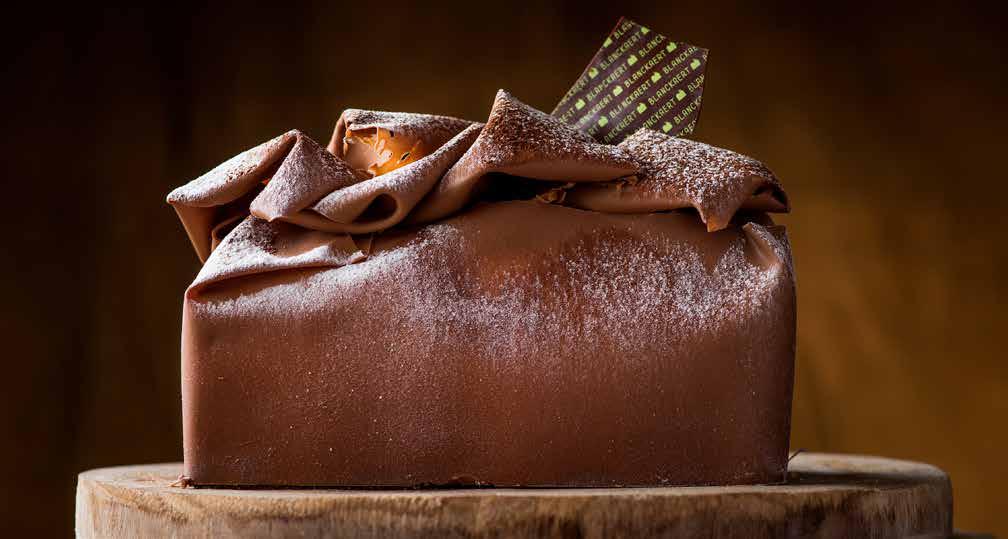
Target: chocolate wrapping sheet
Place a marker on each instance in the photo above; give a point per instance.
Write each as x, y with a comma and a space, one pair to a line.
518, 306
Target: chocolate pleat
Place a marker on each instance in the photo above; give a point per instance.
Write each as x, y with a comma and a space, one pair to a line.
272, 181
293, 179
257, 246
521, 141
384, 201
679, 173
203, 203
307, 173
768, 247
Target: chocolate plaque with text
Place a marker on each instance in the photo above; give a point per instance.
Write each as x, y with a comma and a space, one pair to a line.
639, 78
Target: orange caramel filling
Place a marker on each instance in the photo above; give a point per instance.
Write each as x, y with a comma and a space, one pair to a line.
379, 151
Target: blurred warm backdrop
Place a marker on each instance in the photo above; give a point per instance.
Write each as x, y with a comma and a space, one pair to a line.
886, 125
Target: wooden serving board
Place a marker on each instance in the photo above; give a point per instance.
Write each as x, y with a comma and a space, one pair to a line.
826, 495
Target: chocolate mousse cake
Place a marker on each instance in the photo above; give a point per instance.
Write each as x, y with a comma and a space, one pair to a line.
433, 301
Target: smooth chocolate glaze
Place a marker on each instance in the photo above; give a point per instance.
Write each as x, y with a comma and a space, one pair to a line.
407, 329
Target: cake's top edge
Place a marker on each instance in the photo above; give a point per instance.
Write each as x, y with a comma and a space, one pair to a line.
381, 169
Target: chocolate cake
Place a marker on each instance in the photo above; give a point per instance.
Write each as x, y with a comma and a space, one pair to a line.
433, 301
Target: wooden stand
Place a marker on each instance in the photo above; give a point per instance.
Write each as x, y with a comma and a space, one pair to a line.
826, 495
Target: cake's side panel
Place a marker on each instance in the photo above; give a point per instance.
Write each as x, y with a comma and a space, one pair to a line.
563, 348
768, 336
191, 408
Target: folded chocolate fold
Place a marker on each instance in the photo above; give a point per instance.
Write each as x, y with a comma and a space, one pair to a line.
519, 140
382, 169
203, 203
307, 173
385, 200
257, 246
678, 173
293, 179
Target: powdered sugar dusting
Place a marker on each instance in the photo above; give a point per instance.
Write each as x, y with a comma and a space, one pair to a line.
716, 180
229, 180
630, 298
522, 141
258, 246
413, 125
516, 132
407, 184
306, 173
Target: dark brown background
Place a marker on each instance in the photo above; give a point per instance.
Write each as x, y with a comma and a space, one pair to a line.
885, 124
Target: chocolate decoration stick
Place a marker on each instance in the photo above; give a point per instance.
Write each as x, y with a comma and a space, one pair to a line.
638, 78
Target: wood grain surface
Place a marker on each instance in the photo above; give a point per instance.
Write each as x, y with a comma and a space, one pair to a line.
825, 496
